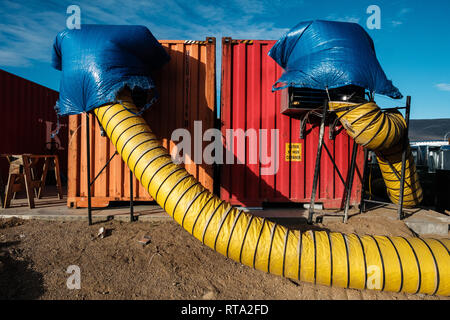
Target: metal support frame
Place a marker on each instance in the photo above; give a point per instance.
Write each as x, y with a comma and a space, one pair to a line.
351, 173
2, 192
88, 174
405, 143
362, 204
88, 164
317, 166
405, 149
131, 197
349, 186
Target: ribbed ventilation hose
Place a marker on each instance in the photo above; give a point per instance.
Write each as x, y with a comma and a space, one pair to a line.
350, 261
383, 133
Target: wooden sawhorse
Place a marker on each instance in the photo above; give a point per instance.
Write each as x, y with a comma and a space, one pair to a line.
22, 176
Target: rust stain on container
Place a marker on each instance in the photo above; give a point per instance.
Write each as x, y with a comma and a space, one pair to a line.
187, 89
28, 118
247, 102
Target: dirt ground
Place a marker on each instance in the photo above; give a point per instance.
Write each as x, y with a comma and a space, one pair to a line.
34, 257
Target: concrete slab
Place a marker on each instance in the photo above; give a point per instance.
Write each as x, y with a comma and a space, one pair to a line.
428, 222
54, 209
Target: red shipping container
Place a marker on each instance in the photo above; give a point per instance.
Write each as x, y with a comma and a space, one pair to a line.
187, 87
247, 102
27, 119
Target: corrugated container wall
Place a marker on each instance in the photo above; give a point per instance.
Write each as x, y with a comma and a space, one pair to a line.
247, 102
187, 91
27, 120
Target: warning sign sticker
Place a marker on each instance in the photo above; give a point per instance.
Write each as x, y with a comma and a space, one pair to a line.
293, 152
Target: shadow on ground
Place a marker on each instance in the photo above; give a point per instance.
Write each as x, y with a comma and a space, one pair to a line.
18, 281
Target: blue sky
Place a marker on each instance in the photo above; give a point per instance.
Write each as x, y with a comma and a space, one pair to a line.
413, 44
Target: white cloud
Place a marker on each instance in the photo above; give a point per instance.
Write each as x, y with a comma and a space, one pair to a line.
443, 86
28, 30
401, 17
404, 11
27, 33
346, 18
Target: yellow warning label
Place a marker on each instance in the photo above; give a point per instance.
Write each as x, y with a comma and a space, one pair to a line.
293, 152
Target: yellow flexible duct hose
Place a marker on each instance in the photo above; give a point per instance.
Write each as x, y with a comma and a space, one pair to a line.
382, 132
350, 261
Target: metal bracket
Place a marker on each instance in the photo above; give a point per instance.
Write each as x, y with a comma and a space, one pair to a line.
317, 166
88, 173
402, 176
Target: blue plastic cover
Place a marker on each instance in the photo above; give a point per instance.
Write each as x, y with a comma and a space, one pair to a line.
97, 61
328, 54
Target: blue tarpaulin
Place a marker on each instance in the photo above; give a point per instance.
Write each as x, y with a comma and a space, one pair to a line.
98, 60
328, 54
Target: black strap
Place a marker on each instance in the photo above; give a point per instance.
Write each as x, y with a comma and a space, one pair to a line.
286, 237
382, 262
435, 266
176, 184
365, 262
200, 212
315, 255
190, 205
221, 224
344, 237
331, 259
400, 263
210, 219
245, 237
232, 230
300, 254
272, 234
182, 195
176, 169
417, 262
257, 242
